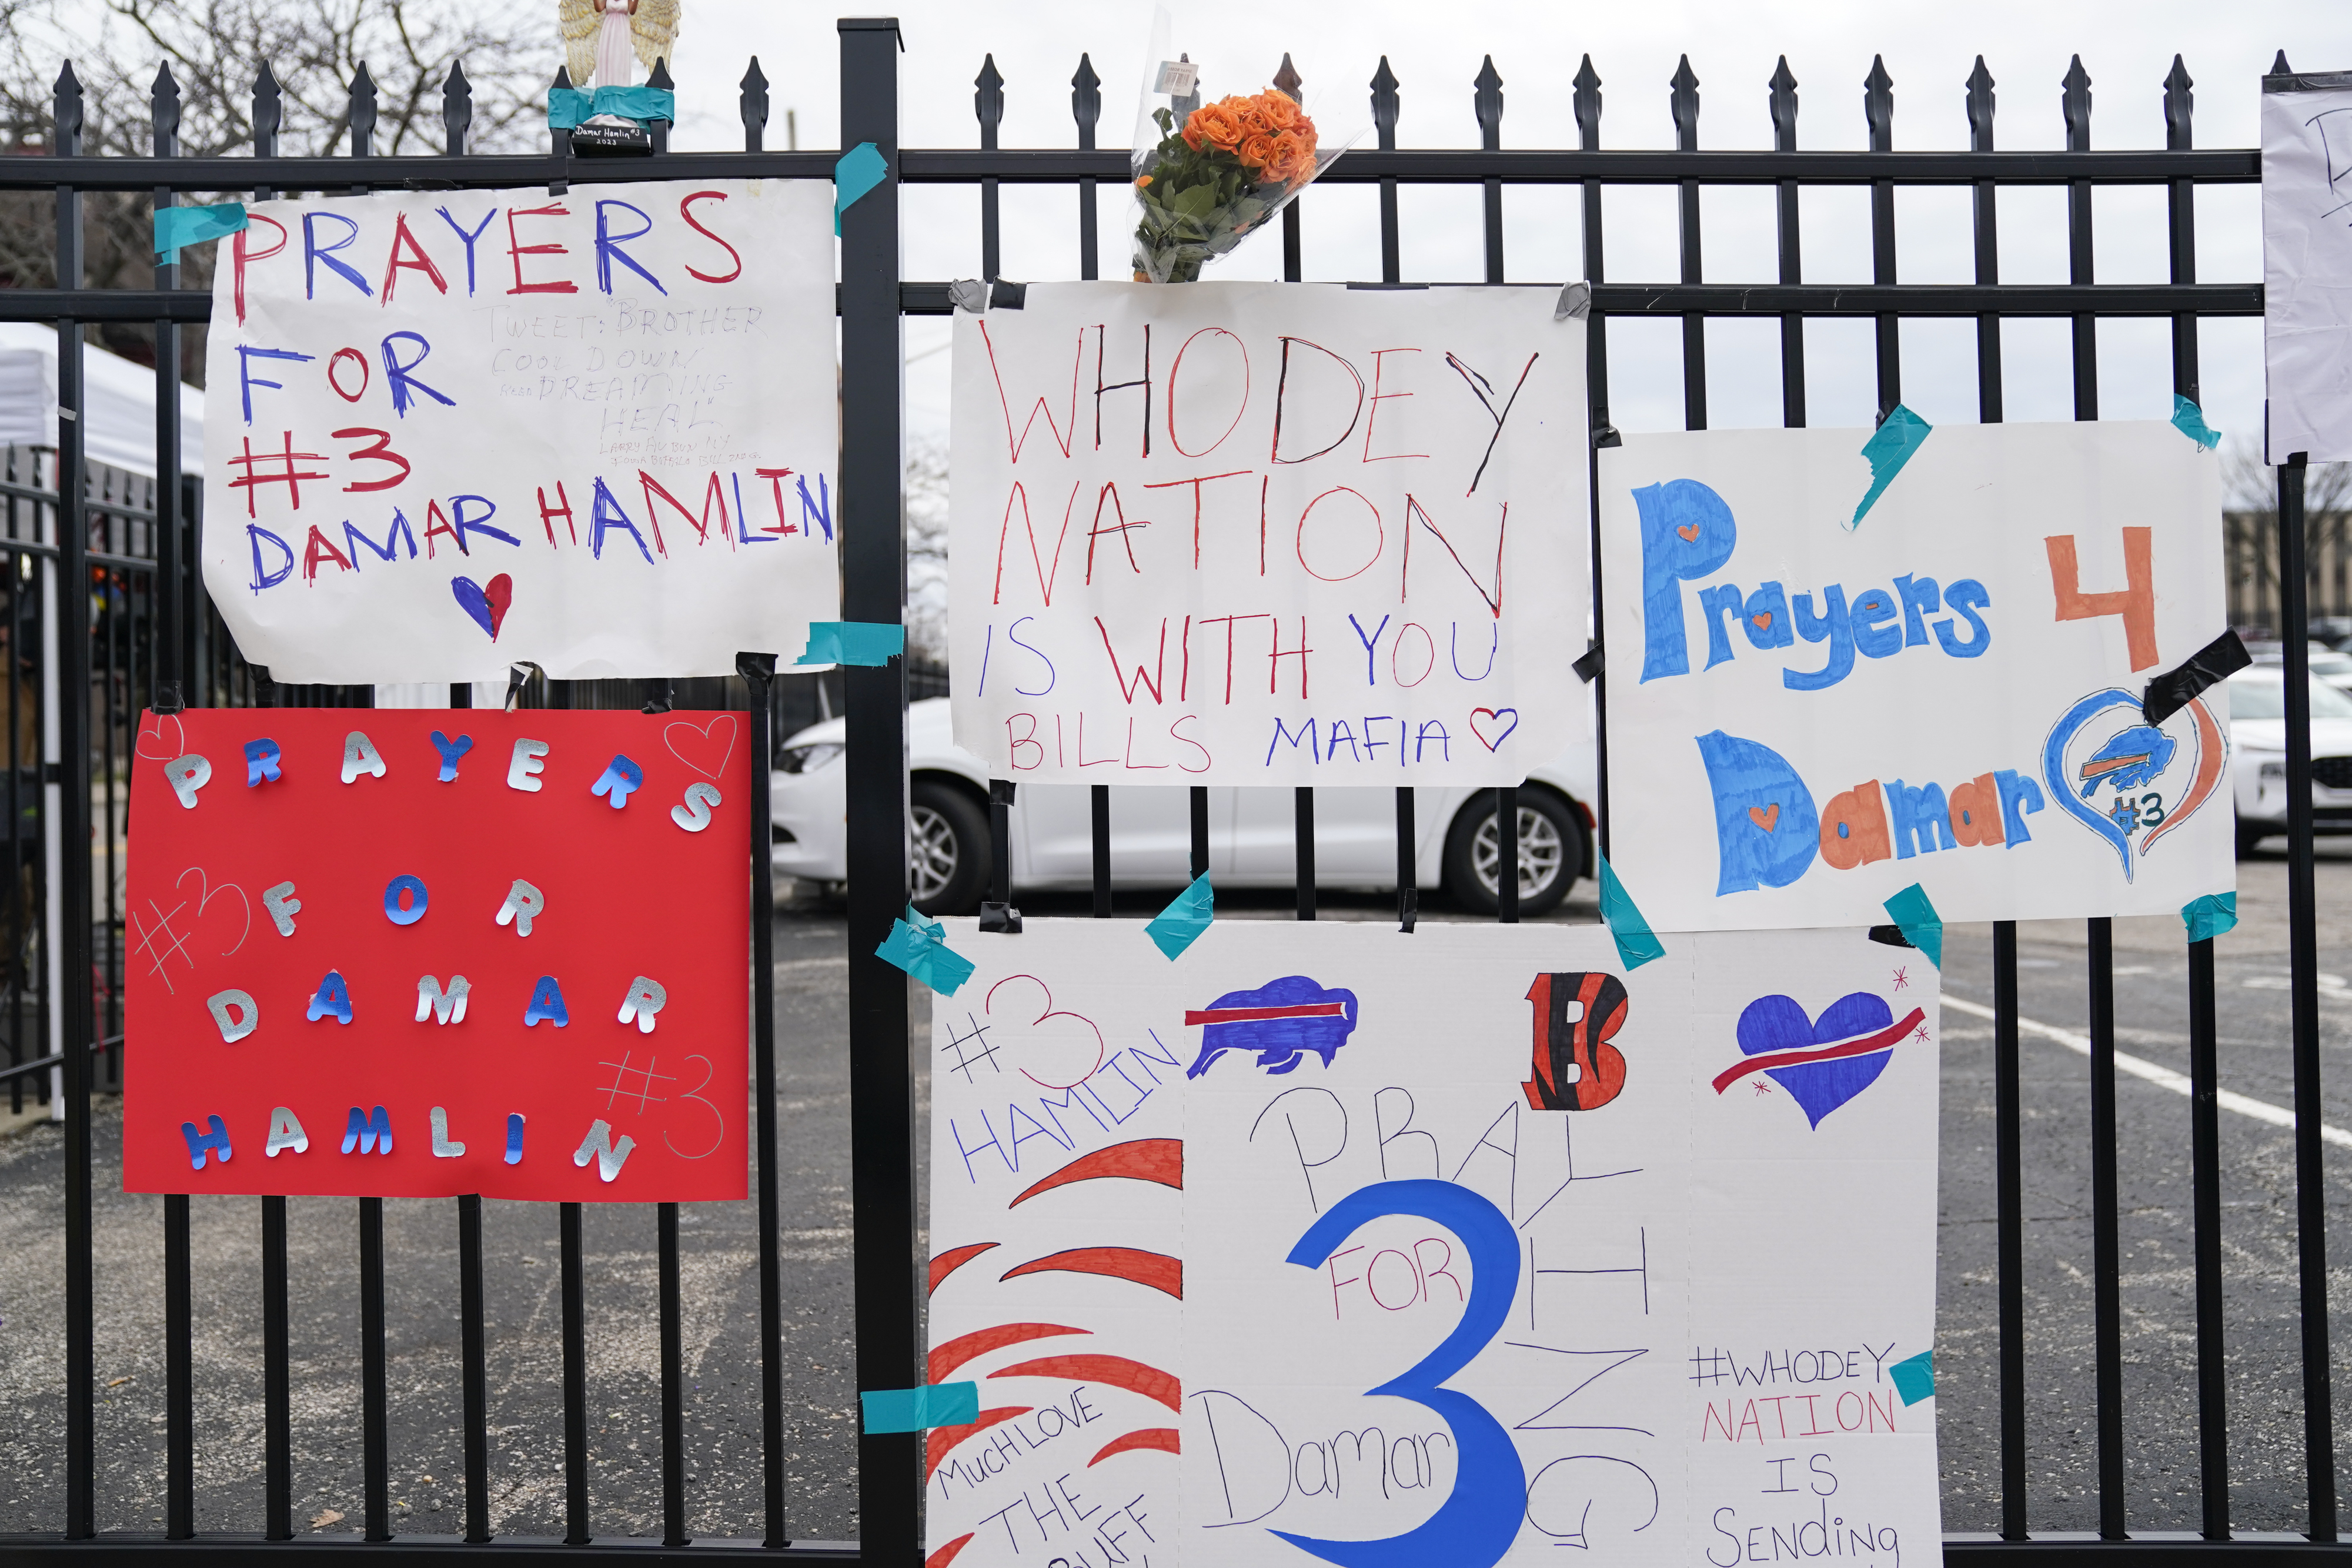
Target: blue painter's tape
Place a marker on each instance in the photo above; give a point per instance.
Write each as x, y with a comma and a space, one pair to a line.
918, 945
176, 226
568, 106
2189, 420
860, 169
1636, 943
2210, 916
1914, 914
1179, 925
1914, 1378
870, 642
1888, 449
913, 1409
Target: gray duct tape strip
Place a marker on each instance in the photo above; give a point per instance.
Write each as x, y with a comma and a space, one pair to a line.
1576, 301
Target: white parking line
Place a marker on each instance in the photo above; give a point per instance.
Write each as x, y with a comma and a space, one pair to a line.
2162, 1077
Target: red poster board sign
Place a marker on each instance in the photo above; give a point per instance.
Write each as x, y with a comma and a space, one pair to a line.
317, 1038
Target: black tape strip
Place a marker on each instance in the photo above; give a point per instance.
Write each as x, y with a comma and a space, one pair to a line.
1003, 296
1589, 666
2170, 693
1890, 935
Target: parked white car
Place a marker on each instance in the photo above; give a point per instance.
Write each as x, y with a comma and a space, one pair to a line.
2258, 747
1249, 831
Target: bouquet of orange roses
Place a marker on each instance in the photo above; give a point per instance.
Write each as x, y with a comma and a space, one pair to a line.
1218, 172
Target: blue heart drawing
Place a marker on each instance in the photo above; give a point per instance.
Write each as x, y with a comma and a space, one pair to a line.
1779, 1023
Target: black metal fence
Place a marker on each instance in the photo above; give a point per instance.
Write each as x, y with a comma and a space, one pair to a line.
141, 634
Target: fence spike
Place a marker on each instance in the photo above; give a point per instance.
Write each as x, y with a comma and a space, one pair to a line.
1685, 102
164, 108
66, 108
1981, 107
361, 112
1288, 81
268, 112
1488, 105
660, 78
1784, 108
1588, 106
1878, 106
2279, 68
2180, 103
1085, 100
1386, 106
457, 108
2076, 102
751, 105
988, 103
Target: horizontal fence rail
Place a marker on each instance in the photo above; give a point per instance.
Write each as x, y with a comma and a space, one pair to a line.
154, 637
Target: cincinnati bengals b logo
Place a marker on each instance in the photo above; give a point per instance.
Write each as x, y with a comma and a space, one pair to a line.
1576, 1067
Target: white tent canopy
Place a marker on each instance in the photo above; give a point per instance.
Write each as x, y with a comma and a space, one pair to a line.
119, 398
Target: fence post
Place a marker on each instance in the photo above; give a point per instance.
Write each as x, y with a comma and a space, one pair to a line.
873, 567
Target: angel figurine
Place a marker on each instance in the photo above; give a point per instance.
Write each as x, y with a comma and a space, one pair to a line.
599, 35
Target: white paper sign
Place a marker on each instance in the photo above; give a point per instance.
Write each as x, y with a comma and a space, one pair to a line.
1451, 1248
451, 430
1807, 718
2307, 265
1264, 533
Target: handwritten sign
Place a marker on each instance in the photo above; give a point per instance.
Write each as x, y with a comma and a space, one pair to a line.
1457, 1248
2307, 265
595, 432
411, 953
1244, 533
1807, 715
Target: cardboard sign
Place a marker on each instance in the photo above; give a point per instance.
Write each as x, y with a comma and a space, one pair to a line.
2307, 266
455, 429
1808, 716
1456, 1248
407, 953
1264, 533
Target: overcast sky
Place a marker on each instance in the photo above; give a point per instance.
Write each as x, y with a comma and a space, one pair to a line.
1435, 51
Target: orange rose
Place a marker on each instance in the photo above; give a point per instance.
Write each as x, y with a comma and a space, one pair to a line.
1278, 112
1215, 123
1255, 150
1142, 182
1291, 158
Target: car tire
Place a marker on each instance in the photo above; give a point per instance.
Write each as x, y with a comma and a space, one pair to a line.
947, 849
1550, 834
2249, 835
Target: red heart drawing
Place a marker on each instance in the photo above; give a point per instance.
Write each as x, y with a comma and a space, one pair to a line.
1495, 715
1073, 1041
705, 747
1689, 532
1764, 817
1763, 620
150, 728
498, 593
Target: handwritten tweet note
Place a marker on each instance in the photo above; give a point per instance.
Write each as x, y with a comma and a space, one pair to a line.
1243, 533
2307, 265
1456, 1248
1819, 713
455, 429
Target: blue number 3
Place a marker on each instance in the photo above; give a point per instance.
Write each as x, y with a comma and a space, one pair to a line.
1479, 1522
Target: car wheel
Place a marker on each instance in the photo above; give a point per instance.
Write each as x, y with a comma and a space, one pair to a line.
2249, 835
947, 849
1552, 852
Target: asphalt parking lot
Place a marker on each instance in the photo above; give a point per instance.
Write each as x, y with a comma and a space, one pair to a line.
720, 1288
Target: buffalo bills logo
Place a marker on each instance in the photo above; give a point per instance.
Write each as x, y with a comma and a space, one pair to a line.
2155, 777
1278, 1020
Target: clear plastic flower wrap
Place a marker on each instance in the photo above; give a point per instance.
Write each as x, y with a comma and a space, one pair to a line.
1210, 172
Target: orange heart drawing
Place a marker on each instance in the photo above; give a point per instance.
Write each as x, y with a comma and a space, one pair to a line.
1764, 817
1763, 620
1689, 532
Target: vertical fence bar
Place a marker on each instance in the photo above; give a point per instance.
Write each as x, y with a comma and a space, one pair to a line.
73, 867
673, 1378
882, 1151
1385, 106
1098, 813
277, 1379
1684, 102
474, 1363
375, 1446
1587, 105
1197, 802
988, 104
575, 1379
1487, 104
179, 1375
2310, 1176
1085, 108
758, 671
1878, 114
1783, 102
1288, 81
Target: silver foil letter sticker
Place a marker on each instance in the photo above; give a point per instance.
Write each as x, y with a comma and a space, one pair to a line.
186, 775
237, 1012
646, 999
283, 906
523, 901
